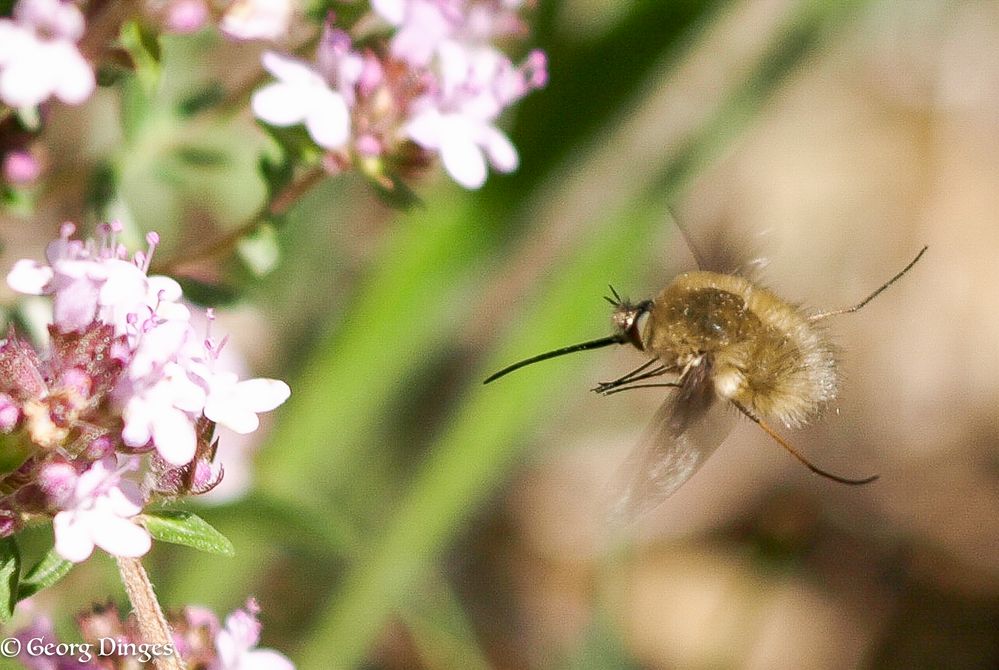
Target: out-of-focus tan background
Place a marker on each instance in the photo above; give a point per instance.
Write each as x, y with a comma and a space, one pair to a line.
885, 142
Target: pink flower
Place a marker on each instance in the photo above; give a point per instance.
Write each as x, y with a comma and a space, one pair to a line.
236, 644
257, 19
469, 81
169, 379
302, 95
38, 55
464, 142
91, 281
422, 26
21, 168
186, 16
458, 119
425, 26
100, 512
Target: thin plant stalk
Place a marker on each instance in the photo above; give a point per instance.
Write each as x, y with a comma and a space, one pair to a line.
281, 203
152, 624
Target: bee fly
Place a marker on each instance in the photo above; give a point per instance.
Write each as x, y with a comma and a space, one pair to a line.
716, 340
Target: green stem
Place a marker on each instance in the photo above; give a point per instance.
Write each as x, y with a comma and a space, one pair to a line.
280, 205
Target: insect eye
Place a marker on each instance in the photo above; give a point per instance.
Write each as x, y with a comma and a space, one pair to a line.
636, 325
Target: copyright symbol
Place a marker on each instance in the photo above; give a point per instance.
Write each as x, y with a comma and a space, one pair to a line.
10, 647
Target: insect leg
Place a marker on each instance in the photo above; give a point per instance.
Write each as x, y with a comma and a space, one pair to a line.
655, 372
631, 387
797, 454
849, 310
626, 378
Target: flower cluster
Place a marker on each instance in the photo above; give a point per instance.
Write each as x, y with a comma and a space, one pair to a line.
39, 58
435, 85
239, 19
126, 375
110, 643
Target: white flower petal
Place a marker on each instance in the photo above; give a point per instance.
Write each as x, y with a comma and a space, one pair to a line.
328, 121
138, 423
264, 659
287, 69
280, 104
261, 394
463, 160
95, 477
187, 395
12, 40
126, 285
165, 288
393, 11
74, 306
227, 649
256, 19
174, 437
75, 80
502, 154
455, 64
125, 499
29, 277
28, 77
72, 537
230, 414
118, 536
426, 129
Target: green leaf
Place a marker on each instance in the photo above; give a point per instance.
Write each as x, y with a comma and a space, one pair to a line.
277, 170
144, 48
208, 294
188, 529
10, 569
46, 572
260, 250
18, 201
390, 187
102, 187
202, 157
201, 100
29, 118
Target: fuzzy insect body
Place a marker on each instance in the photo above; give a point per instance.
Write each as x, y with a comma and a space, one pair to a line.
760, 351
722, 342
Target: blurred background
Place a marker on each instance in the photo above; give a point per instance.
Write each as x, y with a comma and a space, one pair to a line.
402, 515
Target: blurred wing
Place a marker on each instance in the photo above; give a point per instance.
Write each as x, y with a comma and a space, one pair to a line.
684, 432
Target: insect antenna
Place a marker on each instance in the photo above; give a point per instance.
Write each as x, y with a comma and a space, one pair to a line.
849, 310
616, 300
584, 346
797, 454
